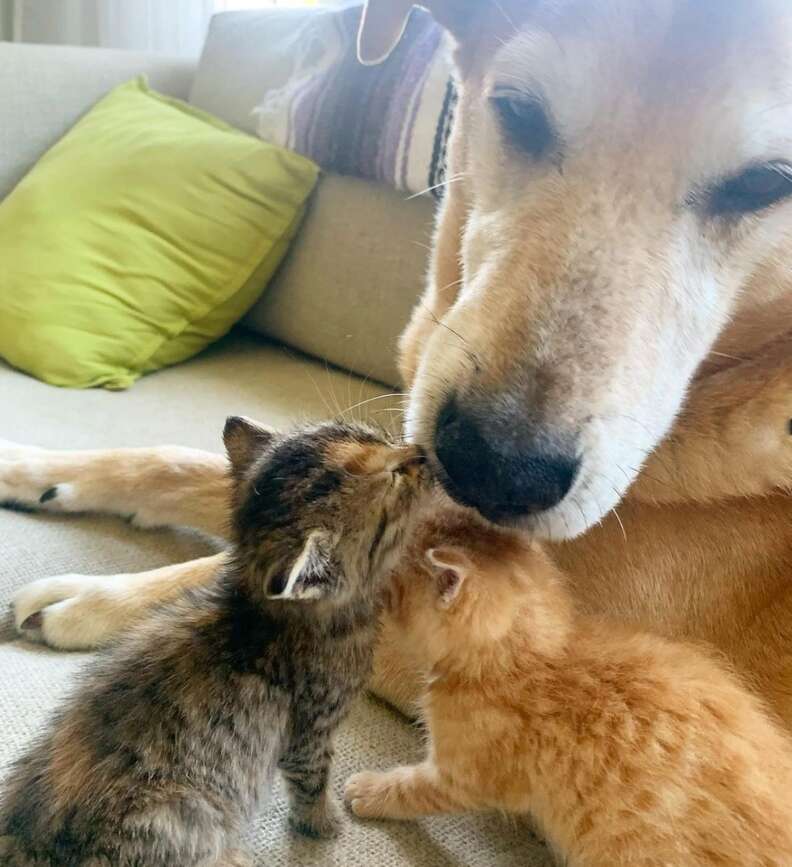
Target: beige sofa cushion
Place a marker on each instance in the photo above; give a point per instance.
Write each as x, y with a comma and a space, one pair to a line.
246, 54
348, 284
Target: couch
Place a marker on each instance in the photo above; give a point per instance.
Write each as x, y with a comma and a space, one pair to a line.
321, 339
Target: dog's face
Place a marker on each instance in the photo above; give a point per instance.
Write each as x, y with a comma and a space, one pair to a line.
621, 187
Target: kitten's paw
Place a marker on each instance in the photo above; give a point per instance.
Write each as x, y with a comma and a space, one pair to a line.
323, 822
235, 858
70, 612
366, 794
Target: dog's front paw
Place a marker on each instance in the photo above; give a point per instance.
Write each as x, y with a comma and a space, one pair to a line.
29, 482
367, 793
70, 612
322, 822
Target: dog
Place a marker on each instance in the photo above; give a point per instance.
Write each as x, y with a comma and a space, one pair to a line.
602, 353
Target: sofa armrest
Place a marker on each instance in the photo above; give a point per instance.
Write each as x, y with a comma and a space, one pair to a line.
46, 88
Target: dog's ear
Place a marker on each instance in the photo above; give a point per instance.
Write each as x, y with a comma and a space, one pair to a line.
383, 23
450, 567
313, 575
244, 440
381, 28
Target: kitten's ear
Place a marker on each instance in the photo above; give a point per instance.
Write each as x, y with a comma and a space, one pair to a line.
244, 440
450, 566
313, 575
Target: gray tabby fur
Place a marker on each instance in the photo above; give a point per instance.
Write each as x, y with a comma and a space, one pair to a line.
169, 745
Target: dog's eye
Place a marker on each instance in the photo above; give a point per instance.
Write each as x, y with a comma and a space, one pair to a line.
525, 123
756, 188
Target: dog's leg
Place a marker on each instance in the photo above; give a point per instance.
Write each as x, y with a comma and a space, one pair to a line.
153, 487
734, 439
82, 612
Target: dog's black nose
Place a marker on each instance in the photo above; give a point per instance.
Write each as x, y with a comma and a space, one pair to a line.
498, 470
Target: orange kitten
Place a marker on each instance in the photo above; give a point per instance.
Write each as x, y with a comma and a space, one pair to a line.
626, 749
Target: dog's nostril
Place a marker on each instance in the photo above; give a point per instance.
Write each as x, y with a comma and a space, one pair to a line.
490, 466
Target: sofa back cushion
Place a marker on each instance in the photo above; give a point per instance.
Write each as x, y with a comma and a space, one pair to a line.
350, 280
46, 89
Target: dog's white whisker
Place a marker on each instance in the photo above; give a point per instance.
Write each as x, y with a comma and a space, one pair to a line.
463, 341
444, 183
621, 524
726, 355
652, 478
627, 477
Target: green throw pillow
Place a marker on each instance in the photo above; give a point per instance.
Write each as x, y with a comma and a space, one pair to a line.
139, 238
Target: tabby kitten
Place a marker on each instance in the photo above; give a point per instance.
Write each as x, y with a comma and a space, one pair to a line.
626, 749
165, 750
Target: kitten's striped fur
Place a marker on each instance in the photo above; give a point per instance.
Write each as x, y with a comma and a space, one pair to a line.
172, 739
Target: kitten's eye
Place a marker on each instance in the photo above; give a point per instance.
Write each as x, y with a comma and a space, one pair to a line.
756, 188
277, 583
525, 123
411, 466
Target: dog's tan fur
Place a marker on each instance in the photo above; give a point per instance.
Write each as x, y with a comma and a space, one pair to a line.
566, 277
701, 547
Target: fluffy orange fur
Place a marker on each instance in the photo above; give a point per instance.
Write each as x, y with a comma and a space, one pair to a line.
625, 748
